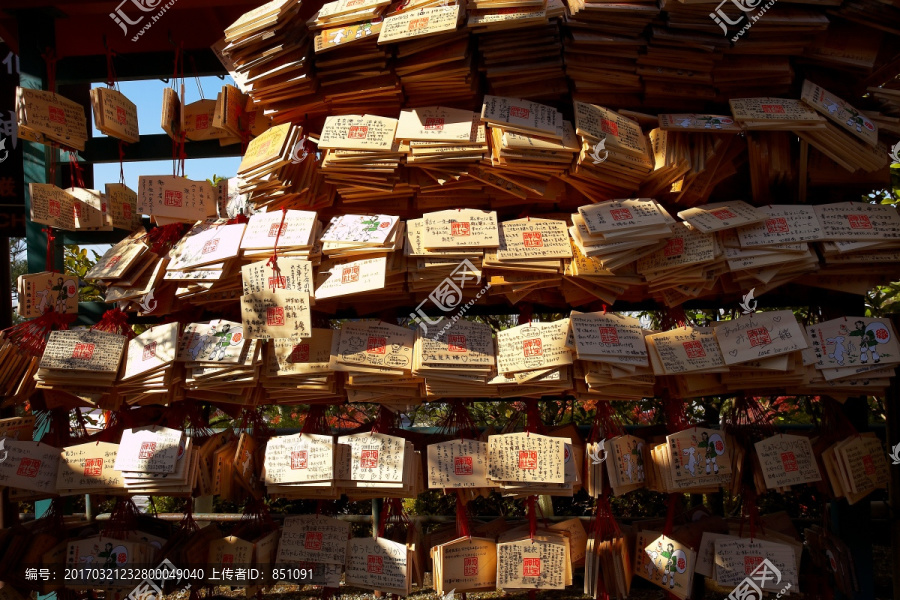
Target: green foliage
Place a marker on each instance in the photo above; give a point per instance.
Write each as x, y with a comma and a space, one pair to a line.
77, 262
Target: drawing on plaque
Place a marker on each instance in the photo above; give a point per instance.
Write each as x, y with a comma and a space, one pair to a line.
700, 456
214, 343
56, 295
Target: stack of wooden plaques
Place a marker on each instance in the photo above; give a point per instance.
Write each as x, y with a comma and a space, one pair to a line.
129, 270
675, 76
526, 562
591, 280
378, 359
220, 362
686, 267
861, 244
287, 233
204, 262
88, 469
613, 381
457, 359
619, 232
775, 250
352, 70
356, 235
601, 53
520, 47
536, 353
157, 460
380, 563
317, 542
149, 375
858, 151
465, 565
300, 466
524, 464
270, 172
437, 69
528, 256
377, 465
273, 63
441, 140
302, 372
613, 148
361, 157
81, 360
115, 115
610, 561
48, 118
856, 467
428, 268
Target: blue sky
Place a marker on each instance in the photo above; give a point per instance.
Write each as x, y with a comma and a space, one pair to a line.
147, 95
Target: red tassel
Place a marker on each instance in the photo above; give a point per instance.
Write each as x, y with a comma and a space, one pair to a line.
31, 336
161, 239
114, 321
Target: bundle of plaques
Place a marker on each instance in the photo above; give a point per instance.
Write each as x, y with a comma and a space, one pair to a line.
381, 564
157, 460
48, 118
601, 53
318, 544
590, 280
691, 353
860, 245
520, 46
428, 268
300, 466
437, 68
608, 561
361, 157
688, 167
88, 469
858, 151
30, 469
72, 209
696, 459
620, 232
536, 353
292, 233
150, 374
466, 564
270, 172
302, 372
441, 139
204, 263
530, 144
529, 256
856, 467
459, 465
271, 62
665, 562
351, 235
851, 353
688, 265
782, 461
526, 464
378, 360
221, 363
455, 358
613, 380
775, 114
377, 465
729, 564
772, 252
526, 562
82, 362
351, 68
115, 115
39, 292
378, 277
613, 149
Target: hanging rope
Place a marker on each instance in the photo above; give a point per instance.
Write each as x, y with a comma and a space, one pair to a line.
273, 260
